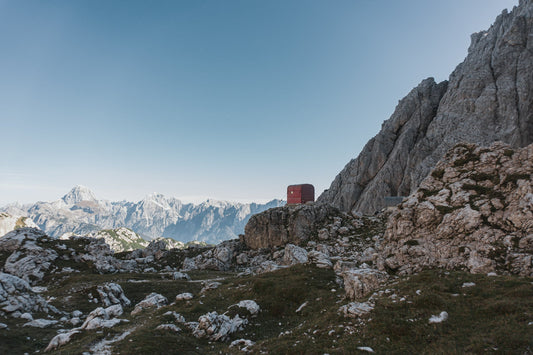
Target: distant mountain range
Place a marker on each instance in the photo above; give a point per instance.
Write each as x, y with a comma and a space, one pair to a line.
80, 212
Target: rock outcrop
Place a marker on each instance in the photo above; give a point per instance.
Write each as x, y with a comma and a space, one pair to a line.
153, 300
29, 260
320, 234
218, 327
473, 212
489, 97
220, 257
288, 224
16, 297
112, 294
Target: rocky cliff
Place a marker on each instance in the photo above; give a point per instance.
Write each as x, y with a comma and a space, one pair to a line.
489, 97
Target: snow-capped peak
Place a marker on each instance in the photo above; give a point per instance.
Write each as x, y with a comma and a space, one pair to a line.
77, 194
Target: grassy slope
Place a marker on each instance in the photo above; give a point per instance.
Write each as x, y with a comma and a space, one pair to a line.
492, 316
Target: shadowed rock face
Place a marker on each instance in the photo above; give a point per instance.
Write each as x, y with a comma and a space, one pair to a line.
489, 97
282, 225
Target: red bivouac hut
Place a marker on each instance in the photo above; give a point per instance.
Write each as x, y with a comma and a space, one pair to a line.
297, 194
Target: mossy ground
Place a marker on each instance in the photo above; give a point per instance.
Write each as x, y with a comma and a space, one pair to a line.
492, 316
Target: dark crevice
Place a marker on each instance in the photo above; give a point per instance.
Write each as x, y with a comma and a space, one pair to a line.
516, 94
496, 98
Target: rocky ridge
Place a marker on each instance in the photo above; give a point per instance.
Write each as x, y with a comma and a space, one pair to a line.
488, 98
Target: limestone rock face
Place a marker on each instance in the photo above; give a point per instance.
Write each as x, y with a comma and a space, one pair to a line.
488, 98
473, 212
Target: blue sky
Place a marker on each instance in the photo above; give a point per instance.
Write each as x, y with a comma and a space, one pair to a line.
223, 99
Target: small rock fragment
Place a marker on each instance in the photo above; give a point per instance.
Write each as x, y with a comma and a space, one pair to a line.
302, 306
184, 296
443, 316
40, 323
181, 276
171, 327
469, 284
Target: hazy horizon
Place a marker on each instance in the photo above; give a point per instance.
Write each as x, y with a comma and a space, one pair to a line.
195, 200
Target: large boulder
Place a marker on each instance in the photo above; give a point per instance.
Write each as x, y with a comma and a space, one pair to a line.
103, 317
111, 293
218, 327
15, 239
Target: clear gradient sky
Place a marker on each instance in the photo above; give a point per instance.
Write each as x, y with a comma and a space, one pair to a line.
225, 99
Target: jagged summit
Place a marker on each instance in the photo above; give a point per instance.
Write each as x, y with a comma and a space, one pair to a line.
77, 194
158, 200
488, 98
